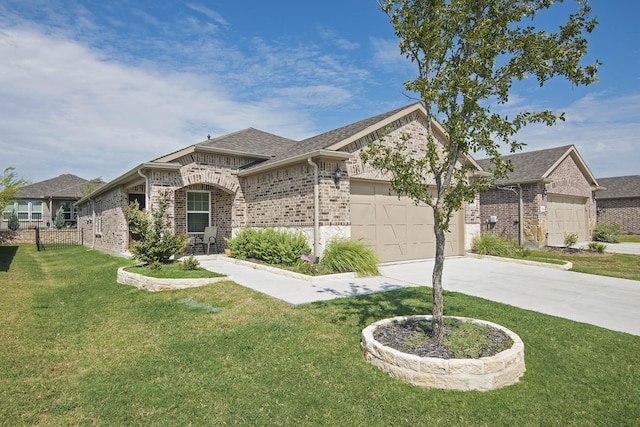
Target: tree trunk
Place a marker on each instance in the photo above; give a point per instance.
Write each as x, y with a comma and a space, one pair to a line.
438, 299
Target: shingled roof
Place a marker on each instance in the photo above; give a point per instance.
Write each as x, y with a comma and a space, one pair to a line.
278, 148
619, 187
65, 186
535, 166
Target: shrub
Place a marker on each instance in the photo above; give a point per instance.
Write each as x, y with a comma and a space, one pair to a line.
189, 264
156, 243
13, 223
269, 245
58, 222
597, 247
570, 239
490, 244
342, 256
607, 232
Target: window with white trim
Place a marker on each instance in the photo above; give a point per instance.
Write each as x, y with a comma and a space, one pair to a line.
198, 211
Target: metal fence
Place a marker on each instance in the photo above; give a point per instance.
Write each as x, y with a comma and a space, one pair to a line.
31, 224
53, 238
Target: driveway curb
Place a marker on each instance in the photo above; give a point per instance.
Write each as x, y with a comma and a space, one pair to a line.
564, 267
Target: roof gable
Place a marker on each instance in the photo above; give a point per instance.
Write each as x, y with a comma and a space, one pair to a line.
536, 166
619, 187
63, 186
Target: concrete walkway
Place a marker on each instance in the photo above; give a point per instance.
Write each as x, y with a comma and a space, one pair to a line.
602, 301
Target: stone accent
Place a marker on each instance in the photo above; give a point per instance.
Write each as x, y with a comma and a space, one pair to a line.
17, 236
154, 284
487, 373
503, 202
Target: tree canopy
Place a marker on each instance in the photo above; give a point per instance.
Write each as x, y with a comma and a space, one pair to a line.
468, 55
9, 186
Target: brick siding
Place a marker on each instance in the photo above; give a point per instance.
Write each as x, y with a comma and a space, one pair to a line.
625, 212
502, 202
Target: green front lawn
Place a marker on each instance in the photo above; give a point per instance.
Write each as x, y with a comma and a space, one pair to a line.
629, 238
76, 348
614, 265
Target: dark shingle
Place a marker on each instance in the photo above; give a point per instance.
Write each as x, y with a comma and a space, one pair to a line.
331, 137
530, 166
619, 187
252, 141
63, 186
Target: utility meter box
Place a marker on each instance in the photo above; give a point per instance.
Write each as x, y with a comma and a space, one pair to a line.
493, 219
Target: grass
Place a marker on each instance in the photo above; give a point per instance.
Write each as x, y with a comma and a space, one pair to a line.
173, 271
76, 348
614, 265
629, 238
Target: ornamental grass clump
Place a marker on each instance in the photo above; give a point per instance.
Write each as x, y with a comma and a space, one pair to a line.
342, 256
490, 244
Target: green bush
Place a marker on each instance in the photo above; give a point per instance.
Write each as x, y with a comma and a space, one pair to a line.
607, 232
490, 244
269, 245
570, 239
58, 222
13, 223
597, 247
189, 264
342, 256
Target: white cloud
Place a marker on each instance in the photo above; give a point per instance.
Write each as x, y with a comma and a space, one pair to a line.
210, 13
68, 109
604, 129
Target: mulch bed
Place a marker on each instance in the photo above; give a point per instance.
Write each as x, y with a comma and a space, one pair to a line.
401, 336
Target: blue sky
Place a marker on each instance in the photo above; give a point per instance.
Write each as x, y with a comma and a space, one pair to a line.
94, 88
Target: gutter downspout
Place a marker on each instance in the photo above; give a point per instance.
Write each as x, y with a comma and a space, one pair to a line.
147, 189
520, 216
316, 206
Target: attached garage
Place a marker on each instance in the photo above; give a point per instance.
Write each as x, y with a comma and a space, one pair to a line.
566, 215
395, 228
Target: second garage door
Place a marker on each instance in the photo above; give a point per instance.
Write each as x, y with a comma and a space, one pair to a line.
397, 229
566, 215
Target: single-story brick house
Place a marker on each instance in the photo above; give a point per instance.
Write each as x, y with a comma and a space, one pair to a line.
619, 202
36, 204
256, 179
549, 194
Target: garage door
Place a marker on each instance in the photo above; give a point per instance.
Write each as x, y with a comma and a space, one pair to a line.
566, 215
397, 229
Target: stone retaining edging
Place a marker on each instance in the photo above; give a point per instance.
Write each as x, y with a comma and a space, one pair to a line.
155, 284
484, 374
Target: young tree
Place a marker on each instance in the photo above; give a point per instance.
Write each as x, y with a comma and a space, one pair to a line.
58, 222
9, 186
156, 241
468, 54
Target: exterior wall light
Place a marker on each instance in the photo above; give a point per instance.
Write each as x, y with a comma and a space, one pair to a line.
544, 192
337, 175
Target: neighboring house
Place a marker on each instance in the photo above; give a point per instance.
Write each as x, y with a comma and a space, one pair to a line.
549, 194
251, 178
36, 204
619, 202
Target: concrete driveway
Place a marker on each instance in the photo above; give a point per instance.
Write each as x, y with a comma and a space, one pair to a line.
623, 248
602, 301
